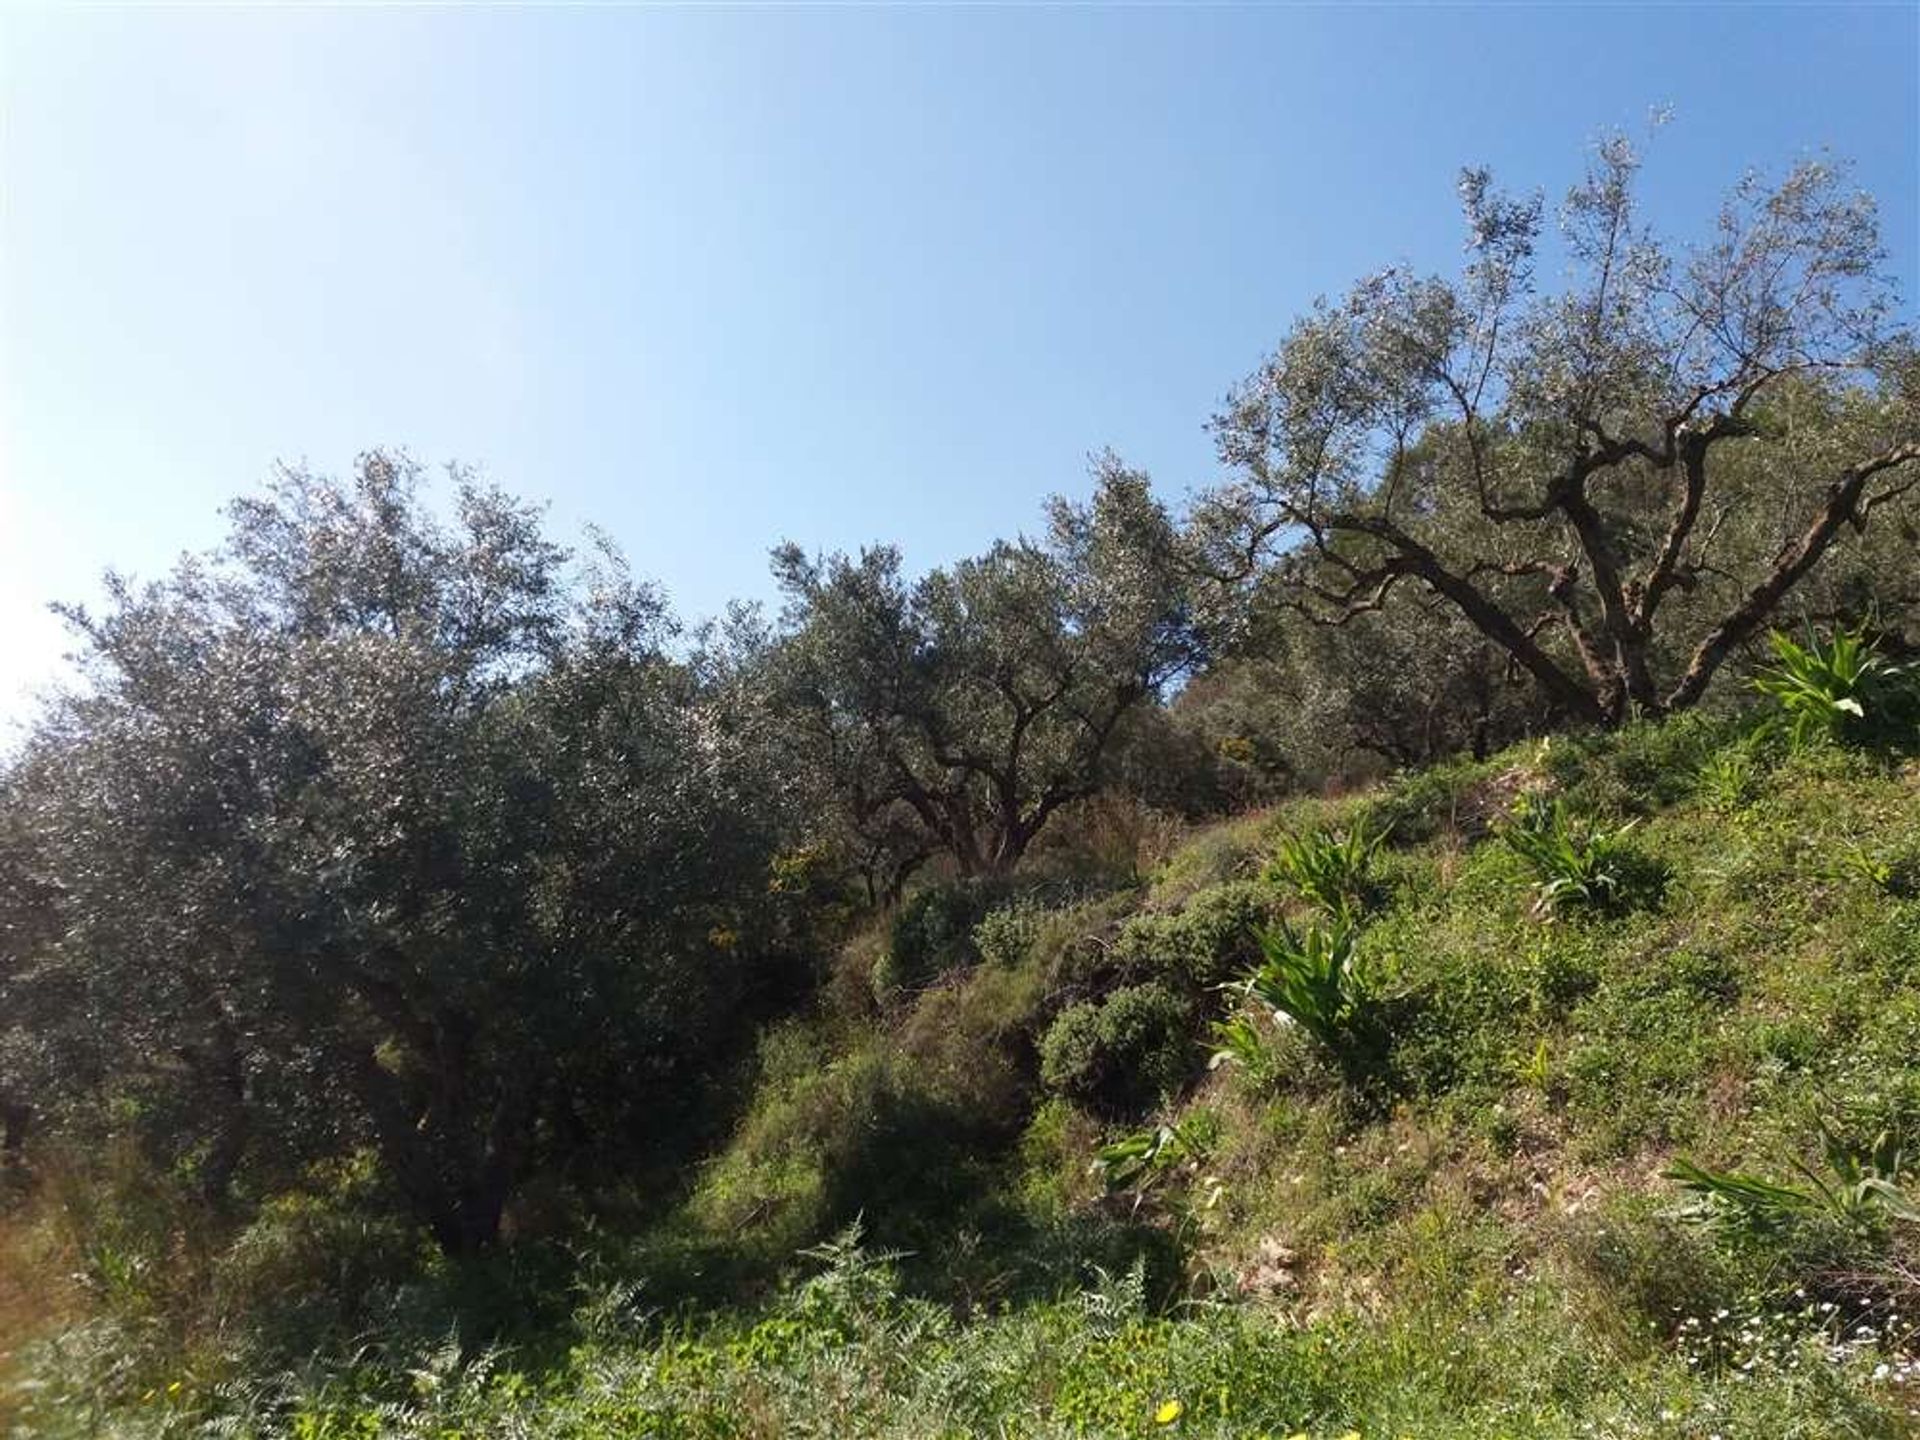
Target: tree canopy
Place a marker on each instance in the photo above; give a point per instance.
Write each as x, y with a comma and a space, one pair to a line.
957, 713
378, 829
1616, 482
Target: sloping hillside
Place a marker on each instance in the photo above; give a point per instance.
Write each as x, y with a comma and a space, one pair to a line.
995, 1187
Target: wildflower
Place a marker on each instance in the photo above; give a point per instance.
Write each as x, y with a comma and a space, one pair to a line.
1168, 1412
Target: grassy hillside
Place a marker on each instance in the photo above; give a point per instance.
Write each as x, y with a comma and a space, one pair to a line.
993, 1186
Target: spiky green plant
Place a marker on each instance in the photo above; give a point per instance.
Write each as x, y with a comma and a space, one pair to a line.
1729, 779
1576, 864
1311, 978
1137, 1160
1861, 1190
1332, 871
1832, 690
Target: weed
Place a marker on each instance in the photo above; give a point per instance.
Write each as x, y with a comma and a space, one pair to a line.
1859, 1192
1311, 978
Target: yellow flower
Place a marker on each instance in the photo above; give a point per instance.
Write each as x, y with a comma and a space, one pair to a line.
1168, 1412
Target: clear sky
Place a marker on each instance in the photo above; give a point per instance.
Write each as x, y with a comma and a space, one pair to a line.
714, 278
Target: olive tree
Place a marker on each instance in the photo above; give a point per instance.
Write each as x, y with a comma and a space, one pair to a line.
956, 713
1617, 481
377, 829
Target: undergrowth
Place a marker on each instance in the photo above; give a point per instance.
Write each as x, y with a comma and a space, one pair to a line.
1566, 1097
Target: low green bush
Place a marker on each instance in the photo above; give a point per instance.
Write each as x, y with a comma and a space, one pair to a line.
1006, 936
1640, 768
1200, 945
932, 933
1440, 799
1121, 1054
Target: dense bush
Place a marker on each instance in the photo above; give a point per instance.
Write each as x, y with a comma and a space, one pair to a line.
1121, 1054
932, 933
1006, 936
380, 831
1204, 943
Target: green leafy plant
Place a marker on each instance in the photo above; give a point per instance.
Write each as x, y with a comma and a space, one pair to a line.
1310, 978
1861, 1190
1136, 1160
1836, 690
1140, 1163
1236, 1041
1576, 865
1889, 871
1332, 871
1729, 779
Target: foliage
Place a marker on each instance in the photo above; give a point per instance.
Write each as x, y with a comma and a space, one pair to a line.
394, 834
1729, 778
1613, 484
957, 714
1476, 1258
1839, 690
1201, 944
1139, 1161
1331, 871
1457, 797
1313, 978
1575, 865
932, 932
1860, 1191
1122, 1053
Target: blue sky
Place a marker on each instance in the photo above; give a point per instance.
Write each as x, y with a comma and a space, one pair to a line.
715, 278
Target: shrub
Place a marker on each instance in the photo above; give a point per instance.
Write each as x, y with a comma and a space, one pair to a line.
932, 933
1121, 1054
1005, 936
1201, 944
1426, 803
